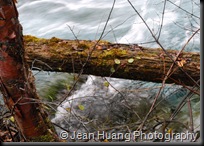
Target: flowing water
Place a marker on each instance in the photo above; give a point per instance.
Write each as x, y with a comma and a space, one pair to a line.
86, 19
44, 18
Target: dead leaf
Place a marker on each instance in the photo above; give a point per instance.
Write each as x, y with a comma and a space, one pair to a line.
181, 63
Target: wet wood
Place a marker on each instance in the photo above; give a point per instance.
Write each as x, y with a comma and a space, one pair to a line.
110, 60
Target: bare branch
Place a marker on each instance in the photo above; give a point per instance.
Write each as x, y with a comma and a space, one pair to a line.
183, 9
91, 52
162, 20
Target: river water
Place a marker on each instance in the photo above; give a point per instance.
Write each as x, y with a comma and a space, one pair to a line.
44, 18
87, 18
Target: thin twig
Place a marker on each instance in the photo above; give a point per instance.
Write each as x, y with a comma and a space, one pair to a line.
162, 20
127, 104
90, 53
183, 9
36, 60
73, 34
170, 69
60, 127
182, 103
157, 41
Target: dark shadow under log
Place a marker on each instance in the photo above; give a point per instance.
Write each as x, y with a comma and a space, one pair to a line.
110, 60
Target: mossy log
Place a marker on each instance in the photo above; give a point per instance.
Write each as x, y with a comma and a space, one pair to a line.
110, 60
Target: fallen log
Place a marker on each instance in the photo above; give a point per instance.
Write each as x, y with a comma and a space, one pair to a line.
110, 60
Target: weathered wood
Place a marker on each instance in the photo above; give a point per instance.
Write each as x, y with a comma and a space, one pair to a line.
148, 64
17, 82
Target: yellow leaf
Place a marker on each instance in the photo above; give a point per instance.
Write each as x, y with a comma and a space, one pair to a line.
68, 109
169, 130
131, 60
81, 107
112, 69
117, 61
12, 119
106, 84
138, 57
68, 86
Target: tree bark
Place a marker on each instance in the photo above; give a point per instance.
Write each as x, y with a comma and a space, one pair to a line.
16, 80
115, 60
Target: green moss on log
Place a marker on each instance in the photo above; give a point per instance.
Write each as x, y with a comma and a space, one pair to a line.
148, 65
